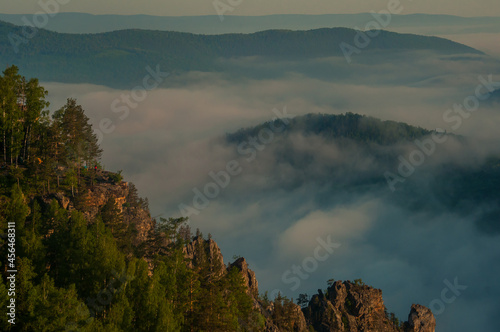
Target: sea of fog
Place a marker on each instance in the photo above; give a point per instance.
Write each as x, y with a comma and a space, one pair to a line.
295, 234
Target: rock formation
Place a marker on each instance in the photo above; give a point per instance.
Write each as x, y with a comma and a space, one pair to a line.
210, 249
420, 319
354, 307
346, 306
90, 202
248, 276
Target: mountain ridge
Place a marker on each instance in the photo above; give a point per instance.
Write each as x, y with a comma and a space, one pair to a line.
89, 23
101, 58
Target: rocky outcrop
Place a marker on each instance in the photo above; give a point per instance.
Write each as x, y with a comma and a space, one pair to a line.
283, 316
248, 275
346, 306
200, 247
199, 250
142, 221
90, 201
299, 318
63, 201
420, 319
354, 307
99, 194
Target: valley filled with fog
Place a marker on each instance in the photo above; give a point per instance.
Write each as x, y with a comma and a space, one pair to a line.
293, 189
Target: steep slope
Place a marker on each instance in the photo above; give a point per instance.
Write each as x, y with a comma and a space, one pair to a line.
91, 201
74, 243
346, 306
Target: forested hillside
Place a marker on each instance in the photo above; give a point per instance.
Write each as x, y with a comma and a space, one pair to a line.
386, 145
87, 256
87, 252
101, 58
348, 126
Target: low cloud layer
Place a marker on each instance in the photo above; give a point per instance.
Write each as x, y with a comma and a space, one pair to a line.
274, 210
486, 42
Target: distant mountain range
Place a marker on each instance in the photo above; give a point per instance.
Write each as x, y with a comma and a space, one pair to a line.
212, 24
120, 58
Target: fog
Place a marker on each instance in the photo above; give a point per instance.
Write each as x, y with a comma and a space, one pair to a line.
274, 210
486, 42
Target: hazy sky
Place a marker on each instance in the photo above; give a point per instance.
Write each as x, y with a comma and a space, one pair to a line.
258, 7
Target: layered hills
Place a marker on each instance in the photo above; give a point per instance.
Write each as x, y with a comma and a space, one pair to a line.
121, 58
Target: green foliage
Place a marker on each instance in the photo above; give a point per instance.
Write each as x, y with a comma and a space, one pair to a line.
303, 300
78, 139
264, 299
4, 301
71, 180
30, 242
399, 325
53, 307
42, 152
134, 200
116, 177
79, 267
73, 274
22, 105
16, 173
359, 282
112, 217
17, 209
284, 314
345, 321
344, 126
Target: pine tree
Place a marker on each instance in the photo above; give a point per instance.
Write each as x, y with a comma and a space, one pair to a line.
17, 209
239, 303
79, 141
120, 315
34, 104
72, 181
30, 242
11, 123
113, 218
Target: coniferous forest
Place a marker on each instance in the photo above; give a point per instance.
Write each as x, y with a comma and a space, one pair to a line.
82, 269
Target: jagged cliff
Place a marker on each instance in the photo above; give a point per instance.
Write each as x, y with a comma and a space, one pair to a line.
420, 319
91, 200
346, 306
